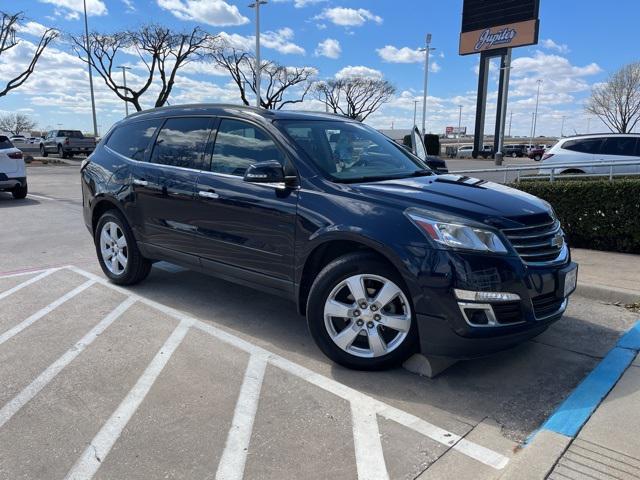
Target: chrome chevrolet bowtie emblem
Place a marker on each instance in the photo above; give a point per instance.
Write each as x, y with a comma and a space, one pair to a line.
557, 241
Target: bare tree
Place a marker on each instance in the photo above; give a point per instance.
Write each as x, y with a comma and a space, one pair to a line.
16, 123
279, 82
8, 26
160, 50
355, 97
617, 102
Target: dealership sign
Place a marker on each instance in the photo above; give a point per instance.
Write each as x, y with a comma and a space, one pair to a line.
456, 131
498, 24
504, 36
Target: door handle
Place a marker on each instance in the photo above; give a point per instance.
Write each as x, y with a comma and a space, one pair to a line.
140, 182
208, 194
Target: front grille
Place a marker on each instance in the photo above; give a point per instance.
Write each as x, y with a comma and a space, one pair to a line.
547, 304
542, 243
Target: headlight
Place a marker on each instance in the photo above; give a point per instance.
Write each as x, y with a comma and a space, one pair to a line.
459, 236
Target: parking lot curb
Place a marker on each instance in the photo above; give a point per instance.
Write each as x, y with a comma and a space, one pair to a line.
607, 294
545, 446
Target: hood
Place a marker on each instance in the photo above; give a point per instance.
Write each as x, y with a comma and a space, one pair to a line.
467, 197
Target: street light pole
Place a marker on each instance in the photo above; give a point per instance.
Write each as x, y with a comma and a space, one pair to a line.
93, 100
415, 111
510, 123
562, 128
427, 51
535, 116
258, 66
124, 80
459, 127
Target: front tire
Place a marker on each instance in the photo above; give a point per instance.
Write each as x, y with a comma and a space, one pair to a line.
20, 193
360, 315
117, 250
61, 153
43, 151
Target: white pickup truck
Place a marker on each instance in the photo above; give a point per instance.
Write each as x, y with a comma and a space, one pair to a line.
67, 143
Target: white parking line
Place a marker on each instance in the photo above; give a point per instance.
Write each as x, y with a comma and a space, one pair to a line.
6, 293
20, 400
41, 313
366, 440
234, 457
95, 453
24, 273
451, 440
41, 197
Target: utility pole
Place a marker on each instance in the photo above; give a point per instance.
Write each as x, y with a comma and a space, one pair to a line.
93, 100
562, 128
258, 67
415, 111
459, 128
535, 116
124, 80
510, 122
427, 51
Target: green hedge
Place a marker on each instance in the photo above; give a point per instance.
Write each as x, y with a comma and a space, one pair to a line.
599, 215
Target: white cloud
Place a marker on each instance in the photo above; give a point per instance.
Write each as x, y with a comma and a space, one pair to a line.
435, 67
392, 54
73, 8
359, 71
239, 42
280, 41
300, 3
212, 12
348, 17
329, 48
551, 45
129, 5
32, 28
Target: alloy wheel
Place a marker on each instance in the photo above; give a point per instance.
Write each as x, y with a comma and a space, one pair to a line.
367, 316
113, 248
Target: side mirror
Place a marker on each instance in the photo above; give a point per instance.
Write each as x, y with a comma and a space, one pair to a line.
265, 172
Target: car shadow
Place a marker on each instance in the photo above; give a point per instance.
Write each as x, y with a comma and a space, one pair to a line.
518, 388
7, 201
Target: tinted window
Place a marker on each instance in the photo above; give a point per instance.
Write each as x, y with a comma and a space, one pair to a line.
5, 142
359, 153
70, 133
621, 146
240, 144
132, 139
182, 142
590, 145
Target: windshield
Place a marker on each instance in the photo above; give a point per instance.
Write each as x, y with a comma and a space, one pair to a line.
352, 152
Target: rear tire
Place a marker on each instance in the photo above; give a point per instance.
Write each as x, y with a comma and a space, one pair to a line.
20, 192
117, 250
537, 158
61, 153
368, 341
43, 152
514, 155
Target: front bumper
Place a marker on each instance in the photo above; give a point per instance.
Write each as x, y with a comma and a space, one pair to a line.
447, 326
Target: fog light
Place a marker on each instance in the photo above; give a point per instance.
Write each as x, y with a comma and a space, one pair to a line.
470, 296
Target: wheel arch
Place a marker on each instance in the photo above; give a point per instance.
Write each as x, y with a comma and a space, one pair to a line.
331, 246
102, 205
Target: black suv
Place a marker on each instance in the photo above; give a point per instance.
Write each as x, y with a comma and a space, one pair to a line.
384, 257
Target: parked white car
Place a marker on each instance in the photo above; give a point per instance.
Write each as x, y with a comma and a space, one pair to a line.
599, 148
13, 174
466, 151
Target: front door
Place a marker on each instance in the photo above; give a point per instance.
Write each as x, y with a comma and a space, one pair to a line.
165, 185
241, 224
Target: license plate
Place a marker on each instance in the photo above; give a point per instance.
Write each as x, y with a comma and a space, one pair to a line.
570, 282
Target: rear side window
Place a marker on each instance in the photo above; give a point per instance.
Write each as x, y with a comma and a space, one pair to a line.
621, 146
589, 145
239, 145
132, 139
5, 142
182, 142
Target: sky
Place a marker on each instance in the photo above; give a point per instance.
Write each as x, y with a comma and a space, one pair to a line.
581, 44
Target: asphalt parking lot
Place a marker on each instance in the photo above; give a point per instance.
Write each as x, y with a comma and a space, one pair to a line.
187, 376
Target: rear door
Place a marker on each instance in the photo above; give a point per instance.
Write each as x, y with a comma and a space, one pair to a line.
241, 224
165, 185
619, 149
